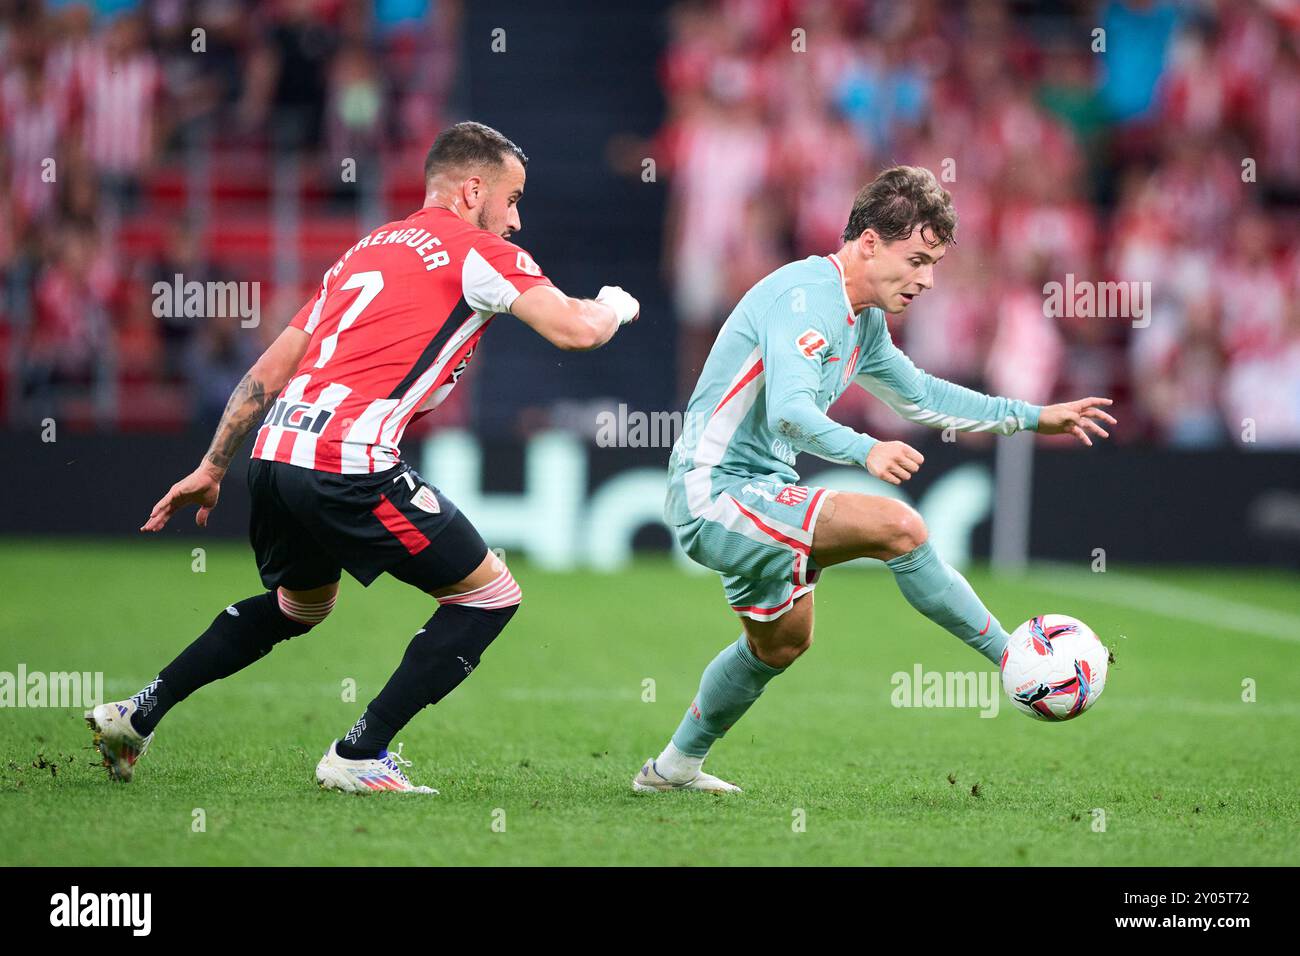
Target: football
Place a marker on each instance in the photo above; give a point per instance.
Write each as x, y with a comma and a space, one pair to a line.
1054, 667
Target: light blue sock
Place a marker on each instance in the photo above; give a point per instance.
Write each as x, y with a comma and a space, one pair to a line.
730, 684
944, 596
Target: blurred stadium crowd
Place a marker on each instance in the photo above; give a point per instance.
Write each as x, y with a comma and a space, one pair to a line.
1122, 164
1172, 157
135, 149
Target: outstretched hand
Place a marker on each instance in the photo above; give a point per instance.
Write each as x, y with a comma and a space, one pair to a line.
201, 487
1076, 418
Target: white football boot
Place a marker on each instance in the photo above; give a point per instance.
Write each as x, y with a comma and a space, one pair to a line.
650, 780
118, 742
365, 776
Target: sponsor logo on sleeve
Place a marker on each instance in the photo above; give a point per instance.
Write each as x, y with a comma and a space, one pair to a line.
525, 264
811, 343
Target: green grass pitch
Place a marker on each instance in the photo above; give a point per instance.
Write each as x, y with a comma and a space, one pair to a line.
533, 755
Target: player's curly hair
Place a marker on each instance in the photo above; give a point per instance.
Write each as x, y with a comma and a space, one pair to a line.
900, 199
468, 145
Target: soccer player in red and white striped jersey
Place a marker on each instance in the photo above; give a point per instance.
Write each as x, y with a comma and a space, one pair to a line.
392, 326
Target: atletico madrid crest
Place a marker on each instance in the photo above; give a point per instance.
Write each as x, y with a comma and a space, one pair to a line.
791, 495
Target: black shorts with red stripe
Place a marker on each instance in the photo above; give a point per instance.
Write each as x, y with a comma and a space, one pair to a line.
309, 526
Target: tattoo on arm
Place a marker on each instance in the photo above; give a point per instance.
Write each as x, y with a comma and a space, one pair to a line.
248, 404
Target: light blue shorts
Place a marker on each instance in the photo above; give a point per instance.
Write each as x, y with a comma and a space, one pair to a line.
758, 535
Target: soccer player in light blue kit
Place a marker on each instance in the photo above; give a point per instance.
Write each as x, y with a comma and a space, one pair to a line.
792, 345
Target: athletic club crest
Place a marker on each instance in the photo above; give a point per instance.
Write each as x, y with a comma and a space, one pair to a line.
426, 500
791, 495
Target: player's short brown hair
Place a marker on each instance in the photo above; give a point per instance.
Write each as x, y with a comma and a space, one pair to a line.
900, 199
467, 146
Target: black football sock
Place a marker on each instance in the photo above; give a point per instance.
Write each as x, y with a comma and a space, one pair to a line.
239, 635
439, 657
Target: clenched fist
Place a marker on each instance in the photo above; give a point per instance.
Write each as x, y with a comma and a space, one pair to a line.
893, 461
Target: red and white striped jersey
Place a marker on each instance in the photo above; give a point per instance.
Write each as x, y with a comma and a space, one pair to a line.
393, 325
119, 99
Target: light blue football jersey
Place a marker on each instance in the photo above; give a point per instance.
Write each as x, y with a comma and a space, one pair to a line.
788, 350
